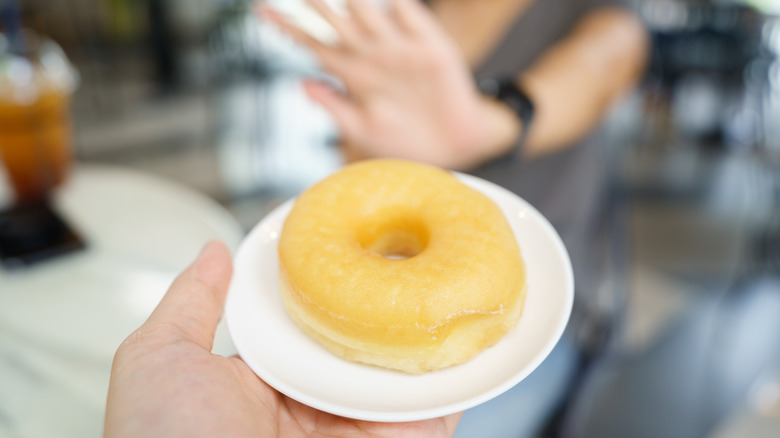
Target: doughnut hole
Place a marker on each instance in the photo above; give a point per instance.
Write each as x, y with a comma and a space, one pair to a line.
393, 234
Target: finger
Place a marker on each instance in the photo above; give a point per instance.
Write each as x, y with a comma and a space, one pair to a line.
296, 33
349, 35
193, 305
372, 20
344, 111
451, 422
411, 16
356, 73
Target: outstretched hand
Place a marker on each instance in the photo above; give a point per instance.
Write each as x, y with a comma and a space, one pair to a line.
408, 91
166, 382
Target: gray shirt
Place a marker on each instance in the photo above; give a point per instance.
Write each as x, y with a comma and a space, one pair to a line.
568, 186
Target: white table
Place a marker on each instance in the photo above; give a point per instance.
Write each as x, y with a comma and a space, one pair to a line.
61, 321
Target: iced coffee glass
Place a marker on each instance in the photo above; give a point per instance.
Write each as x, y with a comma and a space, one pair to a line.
36, 83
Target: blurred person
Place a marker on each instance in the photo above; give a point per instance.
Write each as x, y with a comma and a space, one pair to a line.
165, 382
552, 69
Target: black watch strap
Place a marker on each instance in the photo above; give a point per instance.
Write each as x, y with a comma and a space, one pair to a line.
507, 91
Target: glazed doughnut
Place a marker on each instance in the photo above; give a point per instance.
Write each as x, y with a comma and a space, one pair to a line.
400, 265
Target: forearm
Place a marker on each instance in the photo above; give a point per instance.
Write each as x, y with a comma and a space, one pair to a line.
576, 81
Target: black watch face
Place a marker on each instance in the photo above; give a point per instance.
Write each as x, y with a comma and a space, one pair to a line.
489, 87
508, 92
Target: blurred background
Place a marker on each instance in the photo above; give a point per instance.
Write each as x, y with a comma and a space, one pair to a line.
182, 111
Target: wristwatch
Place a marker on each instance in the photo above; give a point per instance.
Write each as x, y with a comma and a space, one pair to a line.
506, 91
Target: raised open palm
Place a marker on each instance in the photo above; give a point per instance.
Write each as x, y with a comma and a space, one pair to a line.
408, 92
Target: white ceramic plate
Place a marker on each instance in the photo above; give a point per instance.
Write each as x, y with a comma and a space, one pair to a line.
282, 355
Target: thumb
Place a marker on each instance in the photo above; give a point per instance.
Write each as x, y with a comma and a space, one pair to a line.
193, 305
344, 112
